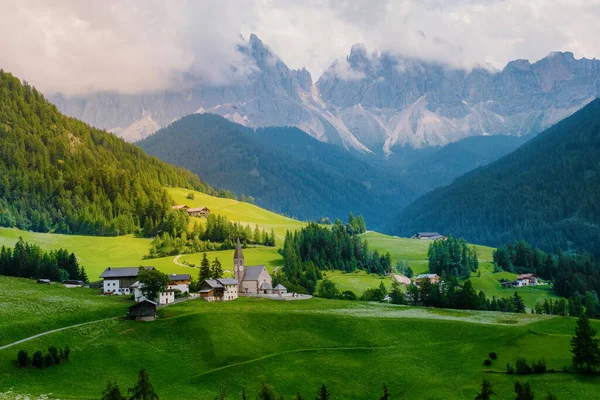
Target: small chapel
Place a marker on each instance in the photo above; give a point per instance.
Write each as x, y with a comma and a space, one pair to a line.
253, 279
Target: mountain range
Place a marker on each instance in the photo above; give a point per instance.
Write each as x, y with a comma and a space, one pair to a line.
370, 102
546, 192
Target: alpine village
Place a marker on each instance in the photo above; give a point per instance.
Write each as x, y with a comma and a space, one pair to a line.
330, 200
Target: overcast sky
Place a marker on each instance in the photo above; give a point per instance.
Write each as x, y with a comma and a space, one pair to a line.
80, 46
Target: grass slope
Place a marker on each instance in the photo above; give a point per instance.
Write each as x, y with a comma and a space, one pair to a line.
237, 211
27, 308
194, 346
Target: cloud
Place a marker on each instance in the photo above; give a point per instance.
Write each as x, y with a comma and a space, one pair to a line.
135, 46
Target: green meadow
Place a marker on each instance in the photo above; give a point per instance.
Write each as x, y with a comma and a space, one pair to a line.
296, 346
97, 253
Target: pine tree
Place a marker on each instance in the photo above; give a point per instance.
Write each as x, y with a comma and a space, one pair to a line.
216, 271
386, 393
523, 391
205, 272
298, 396
486, 391
323, 393
112, 392
221, 395
584, 345
518, 303
266, 392
143, 389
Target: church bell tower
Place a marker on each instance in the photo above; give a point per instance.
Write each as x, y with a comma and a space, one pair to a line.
238, 262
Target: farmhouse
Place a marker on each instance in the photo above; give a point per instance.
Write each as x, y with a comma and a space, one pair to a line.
180, 207
180, 282
119, 280
433, 278
222, 289
198, 212
164, 298
252, 279
142, 311
522, 280
428, 236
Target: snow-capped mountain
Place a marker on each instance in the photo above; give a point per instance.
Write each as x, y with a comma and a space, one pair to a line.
367, 102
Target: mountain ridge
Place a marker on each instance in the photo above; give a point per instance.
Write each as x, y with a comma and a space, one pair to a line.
381, 103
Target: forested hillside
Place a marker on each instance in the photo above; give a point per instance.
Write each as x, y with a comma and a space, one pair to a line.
59, 174
284, 169
547, 193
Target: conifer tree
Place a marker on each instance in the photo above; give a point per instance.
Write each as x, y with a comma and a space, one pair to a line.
486, 391
112, 392
205, 272
584, 345
216, 270
523, 391
386, 393
323, 393
143, 389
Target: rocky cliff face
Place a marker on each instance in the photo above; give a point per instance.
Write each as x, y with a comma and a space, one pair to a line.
368, 102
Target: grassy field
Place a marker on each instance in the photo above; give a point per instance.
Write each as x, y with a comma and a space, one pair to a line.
420, 353
245, 213
28, 308
357, 281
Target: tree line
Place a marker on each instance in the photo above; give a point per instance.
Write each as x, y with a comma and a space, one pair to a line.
452, 257
58, 174
218, 234
314, 249
54, 356
30, 261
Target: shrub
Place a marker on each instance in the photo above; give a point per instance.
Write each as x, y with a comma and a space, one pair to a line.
493, 355
539, 367
66, 352
348, 295
23, 359
38, 359
48, 360
487, 362
190, 196
53, 351
509, 369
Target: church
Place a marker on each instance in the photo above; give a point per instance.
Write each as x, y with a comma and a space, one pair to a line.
251, 279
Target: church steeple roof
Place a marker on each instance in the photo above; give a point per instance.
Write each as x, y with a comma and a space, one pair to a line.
238, 251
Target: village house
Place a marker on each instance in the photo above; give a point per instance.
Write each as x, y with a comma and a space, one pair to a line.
222, 289
201, 212
522, 280
119, 280
433, 278
428, 236
180, 282
142, 311
164, 298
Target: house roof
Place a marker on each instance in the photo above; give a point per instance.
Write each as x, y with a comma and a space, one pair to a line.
238, 250
213, 283
128, 272
180, 277
136, 305
180, 207
280, 287
266, 286
428, 234
227, 281
196, 209
252, 273
427, 276
526, 276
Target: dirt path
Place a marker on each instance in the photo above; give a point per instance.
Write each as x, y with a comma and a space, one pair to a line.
176, 261
53, 331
